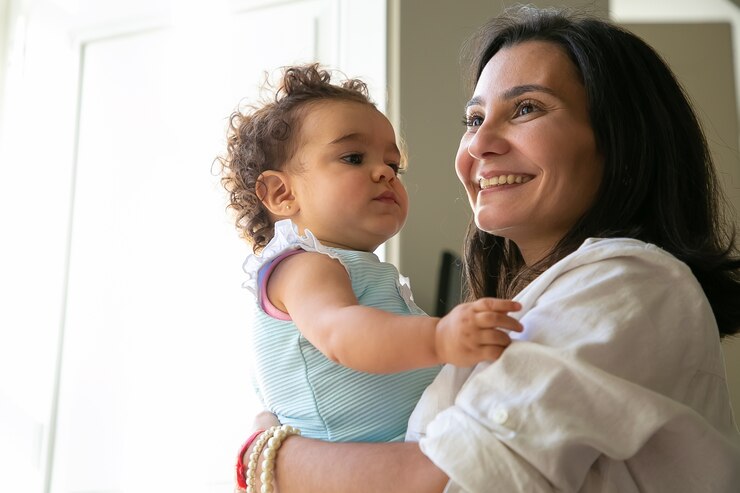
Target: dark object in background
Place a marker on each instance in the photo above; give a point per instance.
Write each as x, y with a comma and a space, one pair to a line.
449, 286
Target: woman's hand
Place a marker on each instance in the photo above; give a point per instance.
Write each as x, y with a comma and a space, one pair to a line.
476, 331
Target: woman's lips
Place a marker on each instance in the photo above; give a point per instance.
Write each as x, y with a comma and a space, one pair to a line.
503, 179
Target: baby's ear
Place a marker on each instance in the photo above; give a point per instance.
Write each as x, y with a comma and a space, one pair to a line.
275, 192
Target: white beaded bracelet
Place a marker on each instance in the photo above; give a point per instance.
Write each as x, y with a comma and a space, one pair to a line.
254, 457
270, 453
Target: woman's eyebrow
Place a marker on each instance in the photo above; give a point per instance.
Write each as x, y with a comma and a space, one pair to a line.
517, 91
512, 93
474, 101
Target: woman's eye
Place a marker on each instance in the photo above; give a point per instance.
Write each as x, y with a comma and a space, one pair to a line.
525, 108
473, 121
354, 158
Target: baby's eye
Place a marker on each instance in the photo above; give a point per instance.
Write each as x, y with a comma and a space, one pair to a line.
395, 167
473, 120
354, 158
526, 107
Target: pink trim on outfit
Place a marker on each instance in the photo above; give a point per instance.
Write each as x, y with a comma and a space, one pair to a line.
265, 303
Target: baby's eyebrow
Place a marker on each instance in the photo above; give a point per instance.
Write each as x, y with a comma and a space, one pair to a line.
360, 137
346, 137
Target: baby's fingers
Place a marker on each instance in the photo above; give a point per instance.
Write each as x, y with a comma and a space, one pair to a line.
491, 353
496, 305
497, 320
493, 337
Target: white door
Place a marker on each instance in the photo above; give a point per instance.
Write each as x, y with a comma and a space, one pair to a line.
153, 388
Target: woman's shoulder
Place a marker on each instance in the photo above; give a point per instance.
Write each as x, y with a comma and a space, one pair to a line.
624, 253
623, 247
619, 298
621, 278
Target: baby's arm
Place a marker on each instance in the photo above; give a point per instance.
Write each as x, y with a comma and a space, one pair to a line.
317, 293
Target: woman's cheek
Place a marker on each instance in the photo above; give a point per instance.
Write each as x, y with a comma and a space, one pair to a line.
463, 163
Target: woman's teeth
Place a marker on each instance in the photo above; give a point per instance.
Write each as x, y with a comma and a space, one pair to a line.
503, 180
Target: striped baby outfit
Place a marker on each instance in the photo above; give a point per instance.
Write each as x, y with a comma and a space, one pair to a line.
305, 389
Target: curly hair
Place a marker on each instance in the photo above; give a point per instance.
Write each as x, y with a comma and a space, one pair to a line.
262, 137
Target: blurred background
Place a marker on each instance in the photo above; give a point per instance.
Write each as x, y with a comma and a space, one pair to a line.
124, 329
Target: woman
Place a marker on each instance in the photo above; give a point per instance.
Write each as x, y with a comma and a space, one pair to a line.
596, 207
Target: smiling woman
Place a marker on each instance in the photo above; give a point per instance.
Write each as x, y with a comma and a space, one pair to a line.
531, 126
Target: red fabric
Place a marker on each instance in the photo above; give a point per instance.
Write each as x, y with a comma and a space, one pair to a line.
241, 470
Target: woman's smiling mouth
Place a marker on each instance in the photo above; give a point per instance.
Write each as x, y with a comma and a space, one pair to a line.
496, 181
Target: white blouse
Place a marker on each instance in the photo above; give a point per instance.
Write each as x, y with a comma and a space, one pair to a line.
616, 384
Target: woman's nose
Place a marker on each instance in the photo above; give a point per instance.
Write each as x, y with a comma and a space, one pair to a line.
486, 142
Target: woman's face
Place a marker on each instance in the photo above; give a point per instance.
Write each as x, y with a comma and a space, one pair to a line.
528, 159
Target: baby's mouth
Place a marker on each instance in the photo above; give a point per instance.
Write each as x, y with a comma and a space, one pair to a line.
388, 197
497, 181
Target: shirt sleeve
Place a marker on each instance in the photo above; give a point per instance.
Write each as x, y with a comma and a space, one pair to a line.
608, 352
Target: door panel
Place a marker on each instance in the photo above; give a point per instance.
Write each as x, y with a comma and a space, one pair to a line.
156, 330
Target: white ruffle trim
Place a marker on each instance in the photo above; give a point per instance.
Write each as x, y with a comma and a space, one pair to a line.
404, 287
286, 238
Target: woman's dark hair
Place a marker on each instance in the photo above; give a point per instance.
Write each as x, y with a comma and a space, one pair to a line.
262, 137
659, 183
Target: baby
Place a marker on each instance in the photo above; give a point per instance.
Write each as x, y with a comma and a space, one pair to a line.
341, 350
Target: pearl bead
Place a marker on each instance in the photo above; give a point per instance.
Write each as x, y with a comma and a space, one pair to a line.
267, 445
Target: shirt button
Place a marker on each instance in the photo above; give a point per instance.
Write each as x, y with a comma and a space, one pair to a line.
500, 416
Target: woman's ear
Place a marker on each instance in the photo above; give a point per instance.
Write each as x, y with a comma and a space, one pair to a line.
275, 192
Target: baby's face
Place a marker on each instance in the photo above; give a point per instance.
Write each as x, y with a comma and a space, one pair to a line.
344, 176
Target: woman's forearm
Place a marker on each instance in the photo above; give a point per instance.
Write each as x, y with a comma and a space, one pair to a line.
306, 466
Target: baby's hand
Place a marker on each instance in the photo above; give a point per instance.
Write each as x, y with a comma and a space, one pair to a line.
472, 333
